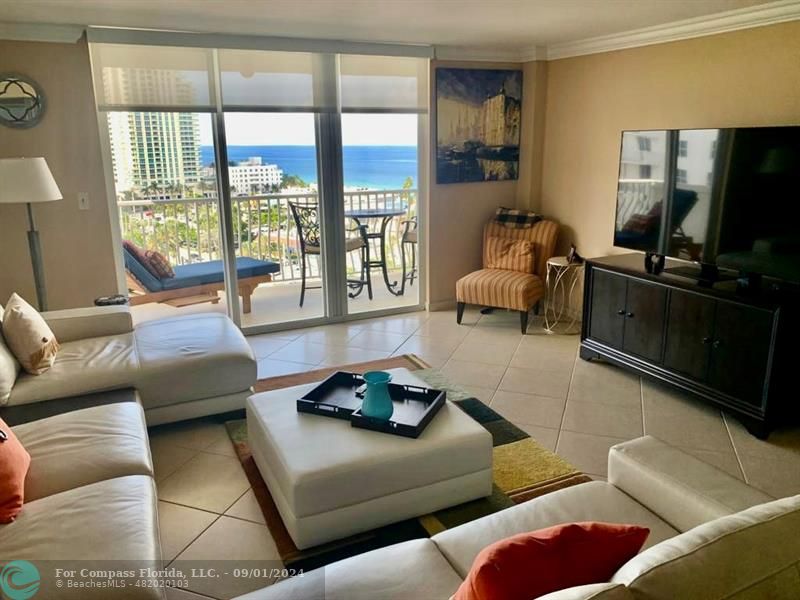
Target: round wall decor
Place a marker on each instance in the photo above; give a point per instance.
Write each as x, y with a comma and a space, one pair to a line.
21, 101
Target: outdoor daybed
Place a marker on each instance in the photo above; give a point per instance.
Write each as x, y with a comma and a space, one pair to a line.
196, 282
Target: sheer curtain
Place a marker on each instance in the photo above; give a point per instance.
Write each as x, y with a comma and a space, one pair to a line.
150, 77
383, 83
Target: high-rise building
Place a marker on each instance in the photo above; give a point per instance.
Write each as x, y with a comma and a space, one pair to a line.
152, 148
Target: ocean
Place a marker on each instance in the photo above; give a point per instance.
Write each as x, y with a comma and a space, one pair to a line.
375, 167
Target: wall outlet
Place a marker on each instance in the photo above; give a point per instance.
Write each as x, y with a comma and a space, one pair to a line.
83, 200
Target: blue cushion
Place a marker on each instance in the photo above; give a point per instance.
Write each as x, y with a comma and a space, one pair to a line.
211, 272
142, 275
197, 273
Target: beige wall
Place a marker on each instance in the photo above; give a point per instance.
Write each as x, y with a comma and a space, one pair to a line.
76, 244
458, 211
534, 92
750, 77
573, 112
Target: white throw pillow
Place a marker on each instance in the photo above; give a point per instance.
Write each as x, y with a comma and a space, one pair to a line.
9, 366
29, 336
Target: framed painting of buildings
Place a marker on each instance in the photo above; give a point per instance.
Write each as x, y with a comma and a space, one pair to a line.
478, 113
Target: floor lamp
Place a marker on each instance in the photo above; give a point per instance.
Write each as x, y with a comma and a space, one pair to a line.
26, 181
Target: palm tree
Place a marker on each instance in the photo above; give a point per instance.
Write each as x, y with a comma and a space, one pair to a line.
153, 188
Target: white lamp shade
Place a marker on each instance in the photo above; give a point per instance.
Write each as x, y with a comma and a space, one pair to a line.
26, 180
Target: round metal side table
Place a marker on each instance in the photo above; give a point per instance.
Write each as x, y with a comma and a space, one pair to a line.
561, 305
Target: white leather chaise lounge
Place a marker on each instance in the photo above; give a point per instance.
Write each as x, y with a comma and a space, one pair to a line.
182, 367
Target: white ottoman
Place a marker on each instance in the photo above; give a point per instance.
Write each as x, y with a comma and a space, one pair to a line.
330, 480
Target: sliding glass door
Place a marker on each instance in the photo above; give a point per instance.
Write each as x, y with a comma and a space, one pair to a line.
380, 156
272, 170
383, 103
305, 179
271, 102
165, 189
168, 211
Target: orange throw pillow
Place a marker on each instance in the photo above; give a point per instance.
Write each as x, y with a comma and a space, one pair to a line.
14, 463
536, 563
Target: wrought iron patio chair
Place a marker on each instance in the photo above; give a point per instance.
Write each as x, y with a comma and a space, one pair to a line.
408, 244
306, 219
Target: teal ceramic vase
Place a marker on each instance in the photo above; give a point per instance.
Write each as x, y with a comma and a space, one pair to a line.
377, 401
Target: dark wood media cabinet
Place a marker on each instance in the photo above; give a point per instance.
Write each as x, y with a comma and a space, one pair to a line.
730, 349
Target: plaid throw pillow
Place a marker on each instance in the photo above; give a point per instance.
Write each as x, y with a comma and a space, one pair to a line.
159, 264
509, 255
140, 256
516, 218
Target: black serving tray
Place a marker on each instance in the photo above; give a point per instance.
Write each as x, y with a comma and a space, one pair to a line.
341, 394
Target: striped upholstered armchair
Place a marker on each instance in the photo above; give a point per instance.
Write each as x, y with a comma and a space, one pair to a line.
519, 284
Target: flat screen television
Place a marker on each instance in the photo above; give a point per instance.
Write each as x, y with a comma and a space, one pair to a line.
725, 198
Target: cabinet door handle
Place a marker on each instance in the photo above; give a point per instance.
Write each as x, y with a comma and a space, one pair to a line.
706, 340
717, 343
630, 315
621, 312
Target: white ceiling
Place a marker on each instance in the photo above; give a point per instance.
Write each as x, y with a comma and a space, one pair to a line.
483, 25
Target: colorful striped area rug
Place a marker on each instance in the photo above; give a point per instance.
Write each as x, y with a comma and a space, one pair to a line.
523, 469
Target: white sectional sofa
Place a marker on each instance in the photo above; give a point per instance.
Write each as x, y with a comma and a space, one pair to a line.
90, 502
711, 537
182, 367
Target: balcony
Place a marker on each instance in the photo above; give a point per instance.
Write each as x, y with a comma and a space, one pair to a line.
186, 230
639, 209
637, 196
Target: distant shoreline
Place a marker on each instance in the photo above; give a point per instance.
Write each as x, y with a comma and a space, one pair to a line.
375, 167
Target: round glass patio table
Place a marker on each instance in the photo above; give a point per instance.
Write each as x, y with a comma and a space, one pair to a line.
385, 215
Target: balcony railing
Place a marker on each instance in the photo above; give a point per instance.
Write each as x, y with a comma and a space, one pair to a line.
186, 230
637, 196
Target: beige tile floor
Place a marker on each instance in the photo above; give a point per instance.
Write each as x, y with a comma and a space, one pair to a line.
576, 408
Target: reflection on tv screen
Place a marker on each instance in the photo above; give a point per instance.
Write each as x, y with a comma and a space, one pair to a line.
725, 196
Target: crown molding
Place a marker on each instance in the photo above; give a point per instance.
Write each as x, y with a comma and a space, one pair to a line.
761, 15
533, 53
40, 32
771, 13
733, 20
469, 53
